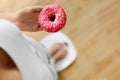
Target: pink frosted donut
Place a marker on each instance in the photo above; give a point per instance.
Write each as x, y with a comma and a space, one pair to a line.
52, 18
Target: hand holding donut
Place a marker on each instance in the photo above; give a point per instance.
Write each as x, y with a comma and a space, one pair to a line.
52, 18
26, 19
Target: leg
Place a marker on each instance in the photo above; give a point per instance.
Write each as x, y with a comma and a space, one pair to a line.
9, 70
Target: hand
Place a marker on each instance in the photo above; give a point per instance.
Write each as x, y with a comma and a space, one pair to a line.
27, 19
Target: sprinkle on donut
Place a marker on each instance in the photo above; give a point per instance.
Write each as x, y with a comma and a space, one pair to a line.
52, 18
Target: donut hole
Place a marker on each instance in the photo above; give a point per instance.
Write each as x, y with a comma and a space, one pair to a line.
52, 18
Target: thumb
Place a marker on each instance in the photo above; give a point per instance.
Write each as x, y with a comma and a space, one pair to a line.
36, 8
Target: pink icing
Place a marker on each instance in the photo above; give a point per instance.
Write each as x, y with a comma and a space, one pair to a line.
52, 18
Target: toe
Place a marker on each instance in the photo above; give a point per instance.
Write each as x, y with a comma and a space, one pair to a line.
56, 47
60, 54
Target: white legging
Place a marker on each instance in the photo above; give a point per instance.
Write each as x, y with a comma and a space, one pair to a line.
32, 59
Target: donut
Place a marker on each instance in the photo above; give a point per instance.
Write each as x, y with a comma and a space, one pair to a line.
52, 18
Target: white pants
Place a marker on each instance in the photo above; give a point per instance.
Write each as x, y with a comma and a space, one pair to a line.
32, 58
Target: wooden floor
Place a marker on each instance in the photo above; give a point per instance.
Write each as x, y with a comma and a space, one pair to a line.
94, 28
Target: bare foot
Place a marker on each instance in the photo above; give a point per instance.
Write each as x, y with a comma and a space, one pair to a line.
58, 51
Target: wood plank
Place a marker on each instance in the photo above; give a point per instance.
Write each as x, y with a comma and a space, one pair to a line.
94, 28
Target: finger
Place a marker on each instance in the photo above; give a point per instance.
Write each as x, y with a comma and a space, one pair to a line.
36, 28
39, 28
36, 8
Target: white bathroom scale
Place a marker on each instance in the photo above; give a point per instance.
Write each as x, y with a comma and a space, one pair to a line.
58, 37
